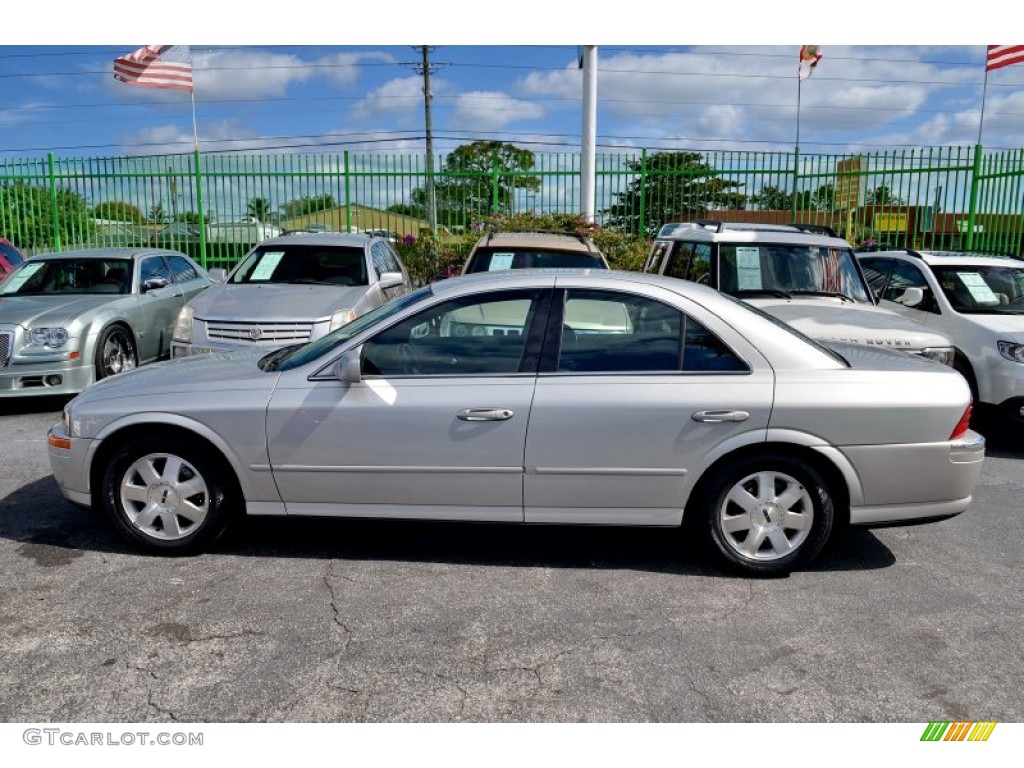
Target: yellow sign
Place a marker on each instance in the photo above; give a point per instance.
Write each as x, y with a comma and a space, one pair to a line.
890, 222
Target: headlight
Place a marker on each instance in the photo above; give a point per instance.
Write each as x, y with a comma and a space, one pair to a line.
1011, 351
183, 325
942, 355
54, 338
340, 318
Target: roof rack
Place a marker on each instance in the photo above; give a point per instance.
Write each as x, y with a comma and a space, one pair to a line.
718, 225
818, 229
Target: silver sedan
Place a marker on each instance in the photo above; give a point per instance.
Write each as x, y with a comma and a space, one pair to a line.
534, 397
68, 319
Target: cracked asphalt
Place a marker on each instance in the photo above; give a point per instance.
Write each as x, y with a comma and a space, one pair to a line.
347, 621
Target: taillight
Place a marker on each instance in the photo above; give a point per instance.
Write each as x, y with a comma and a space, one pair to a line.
965, 422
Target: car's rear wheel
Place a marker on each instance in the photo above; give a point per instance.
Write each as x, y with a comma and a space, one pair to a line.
765, 514
115, 352
167, 497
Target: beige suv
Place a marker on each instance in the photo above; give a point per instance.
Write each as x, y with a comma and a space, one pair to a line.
499, 250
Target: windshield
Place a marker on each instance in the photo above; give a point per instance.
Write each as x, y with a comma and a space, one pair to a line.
68, 276
786, 270
305, 353
974, 289
306, 263
496, 259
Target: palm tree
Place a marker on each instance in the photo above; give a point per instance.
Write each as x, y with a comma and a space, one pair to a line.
259, 208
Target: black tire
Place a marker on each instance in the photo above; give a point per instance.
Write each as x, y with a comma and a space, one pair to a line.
115, 352
167, 497
962, 366
764, 537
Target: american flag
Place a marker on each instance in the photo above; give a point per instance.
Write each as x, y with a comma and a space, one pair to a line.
156, 66
1003, 56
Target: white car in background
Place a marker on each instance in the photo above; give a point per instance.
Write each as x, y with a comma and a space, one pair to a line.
975, 298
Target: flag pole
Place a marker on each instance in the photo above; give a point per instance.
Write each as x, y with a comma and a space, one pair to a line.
195, 130
799, 88
984, 91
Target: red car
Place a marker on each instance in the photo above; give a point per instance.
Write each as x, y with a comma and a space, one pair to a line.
10, 257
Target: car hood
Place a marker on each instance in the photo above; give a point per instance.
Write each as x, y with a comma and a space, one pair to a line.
191, 377
836, 320
1009, 326
48, 311
281, 302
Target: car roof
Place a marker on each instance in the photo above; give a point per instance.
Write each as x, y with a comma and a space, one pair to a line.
342, 239
563, 241
106, 253
939, 258
714, 231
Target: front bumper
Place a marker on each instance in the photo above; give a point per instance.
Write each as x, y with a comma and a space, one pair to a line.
916, 483
70, 465
58, 377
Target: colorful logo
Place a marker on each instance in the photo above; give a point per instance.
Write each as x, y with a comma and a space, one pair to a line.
958, 731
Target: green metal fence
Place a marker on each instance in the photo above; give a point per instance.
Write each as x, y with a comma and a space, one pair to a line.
216, 206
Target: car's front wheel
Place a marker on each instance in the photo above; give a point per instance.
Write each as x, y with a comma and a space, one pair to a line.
115, 352
167, 497
765, 514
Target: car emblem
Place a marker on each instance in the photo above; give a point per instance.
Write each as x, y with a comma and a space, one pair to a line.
255, 334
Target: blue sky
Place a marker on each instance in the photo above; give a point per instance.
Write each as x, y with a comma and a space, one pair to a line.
658, 89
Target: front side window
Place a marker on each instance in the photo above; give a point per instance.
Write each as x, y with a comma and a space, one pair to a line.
611, 332
690, 261
466, 336
982, 289
182, 270
154, 268
383, 259
905, 275
876, 271
303, 264
752, 269
63, 276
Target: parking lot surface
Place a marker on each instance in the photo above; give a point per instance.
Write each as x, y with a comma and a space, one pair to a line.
351, 621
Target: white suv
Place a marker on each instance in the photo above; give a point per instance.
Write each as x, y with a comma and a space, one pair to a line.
804, 275
976, 299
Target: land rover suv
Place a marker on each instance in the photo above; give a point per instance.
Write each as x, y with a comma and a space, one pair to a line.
804, 275
499, 250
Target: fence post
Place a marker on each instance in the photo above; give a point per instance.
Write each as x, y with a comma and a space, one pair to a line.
973, 204
199, 211
494, 182
796, 182
348, 198
53, 202
643, 193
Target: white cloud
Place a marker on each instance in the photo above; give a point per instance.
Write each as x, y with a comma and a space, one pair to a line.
400, 99
343, 68
491, 111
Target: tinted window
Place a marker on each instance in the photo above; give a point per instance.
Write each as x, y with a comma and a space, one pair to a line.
182, 270
690, 261
605, 331
154, 267
305, 263
383, 259
466, 336
497, 258
906, 275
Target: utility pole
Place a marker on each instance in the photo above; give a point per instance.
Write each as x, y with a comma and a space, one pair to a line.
588, 141
427, 96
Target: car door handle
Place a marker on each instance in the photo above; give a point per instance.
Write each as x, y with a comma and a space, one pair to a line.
716, 417
485, 414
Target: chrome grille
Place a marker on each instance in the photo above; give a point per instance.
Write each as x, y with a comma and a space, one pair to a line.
255, 332
6, 342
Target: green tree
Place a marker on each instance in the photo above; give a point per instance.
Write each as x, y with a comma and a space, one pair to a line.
117, 210
259, 208
772, 198
188, 216
477, 180
882, 195
306, 204
28, 216
676, 186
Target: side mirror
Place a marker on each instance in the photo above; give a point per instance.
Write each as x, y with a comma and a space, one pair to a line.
347, 368
155, 283
390, 280
911, 297
218, 274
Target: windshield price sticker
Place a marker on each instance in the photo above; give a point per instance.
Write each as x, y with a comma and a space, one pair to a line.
978, 287
748, 268
267, 265
13, 284
501, 261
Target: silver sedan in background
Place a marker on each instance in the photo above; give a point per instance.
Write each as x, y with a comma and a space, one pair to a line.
68, 319
535, 397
